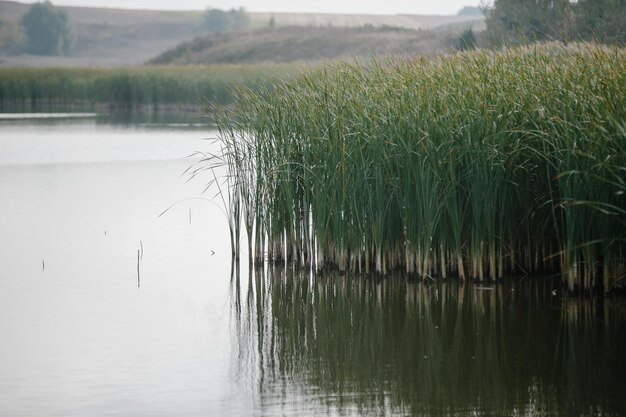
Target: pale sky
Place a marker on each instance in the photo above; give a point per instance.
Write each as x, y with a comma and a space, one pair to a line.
316, 6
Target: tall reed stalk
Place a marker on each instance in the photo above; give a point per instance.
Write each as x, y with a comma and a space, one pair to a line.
477, 165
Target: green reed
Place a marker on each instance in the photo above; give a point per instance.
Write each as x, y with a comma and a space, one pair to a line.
33, 88
477, 165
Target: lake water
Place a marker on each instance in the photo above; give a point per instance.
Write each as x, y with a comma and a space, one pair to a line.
108, 308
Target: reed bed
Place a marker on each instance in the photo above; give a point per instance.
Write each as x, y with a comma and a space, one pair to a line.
33, 88
473, 165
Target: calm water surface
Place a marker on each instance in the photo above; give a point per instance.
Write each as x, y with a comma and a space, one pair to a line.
87, 329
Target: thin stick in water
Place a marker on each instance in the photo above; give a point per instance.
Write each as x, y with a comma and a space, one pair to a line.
138, 276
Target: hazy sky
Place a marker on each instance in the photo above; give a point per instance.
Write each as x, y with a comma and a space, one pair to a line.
319, 6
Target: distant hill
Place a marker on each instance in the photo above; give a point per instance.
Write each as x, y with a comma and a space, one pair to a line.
114, 37
303, 43
355, 20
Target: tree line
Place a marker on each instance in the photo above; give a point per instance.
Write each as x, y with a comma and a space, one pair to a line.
514, 22
217, 21
48, 30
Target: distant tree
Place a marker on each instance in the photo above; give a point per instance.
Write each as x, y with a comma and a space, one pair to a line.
521, 21
47, 29
467, 41
272, 23
601, 20
216, 20
470, 11
239, 19
10, 36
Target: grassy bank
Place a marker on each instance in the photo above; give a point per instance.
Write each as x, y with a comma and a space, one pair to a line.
154, 86
474, 165
307, 44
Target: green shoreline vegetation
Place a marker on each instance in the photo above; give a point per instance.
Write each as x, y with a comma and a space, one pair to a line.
476, 165
133, 87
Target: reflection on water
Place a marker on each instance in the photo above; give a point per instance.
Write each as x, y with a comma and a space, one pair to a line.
45, 116
158, 120
366, 346
194, 120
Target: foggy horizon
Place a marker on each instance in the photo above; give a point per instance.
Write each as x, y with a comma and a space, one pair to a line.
445, 7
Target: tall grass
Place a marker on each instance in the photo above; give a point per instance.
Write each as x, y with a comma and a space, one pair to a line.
33, 88
477, 165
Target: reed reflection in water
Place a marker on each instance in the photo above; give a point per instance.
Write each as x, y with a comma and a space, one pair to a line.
351, 345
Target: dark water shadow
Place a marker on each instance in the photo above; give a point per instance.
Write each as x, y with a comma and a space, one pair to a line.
198, 119
339, 345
